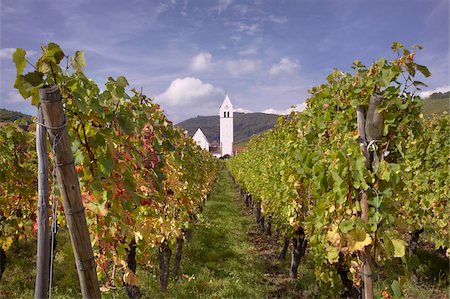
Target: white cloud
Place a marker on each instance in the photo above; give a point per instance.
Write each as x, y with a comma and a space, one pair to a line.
242, 66
249, 29
298, 107
201, 62
427, 93
286, 65
190, 91
277, 19
223, 5
163, 7
6, 53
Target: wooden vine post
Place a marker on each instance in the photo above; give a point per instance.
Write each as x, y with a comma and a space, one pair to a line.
55, 120
370, 130
43, 242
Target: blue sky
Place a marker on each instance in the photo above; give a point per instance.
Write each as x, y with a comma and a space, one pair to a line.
187, 54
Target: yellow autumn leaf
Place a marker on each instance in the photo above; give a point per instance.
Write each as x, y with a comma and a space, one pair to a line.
138, 236
332, 254
333, 236
355, 244
399, 247
7, 243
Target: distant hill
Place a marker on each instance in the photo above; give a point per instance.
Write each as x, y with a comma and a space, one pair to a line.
436, 103
10, 116
245, 125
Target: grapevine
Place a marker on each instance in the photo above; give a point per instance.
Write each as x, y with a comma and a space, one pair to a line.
310, 171
143, 181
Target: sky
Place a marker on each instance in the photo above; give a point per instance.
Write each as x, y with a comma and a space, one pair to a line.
187, 54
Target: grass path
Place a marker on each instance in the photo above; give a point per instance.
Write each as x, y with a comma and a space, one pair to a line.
219, 260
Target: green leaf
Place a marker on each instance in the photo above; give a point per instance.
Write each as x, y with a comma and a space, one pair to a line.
34, 78
78, 157
23, 86
332, 254
125, 122
28, 85
35, 97
424, 70
346, 226
384, 171
107, 165
53, 53
399, 247
387, 76
78, 62
19, 60
418, 83
396, 46
122, 82
396, 289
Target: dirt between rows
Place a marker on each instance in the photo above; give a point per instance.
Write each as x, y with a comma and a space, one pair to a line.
276, 277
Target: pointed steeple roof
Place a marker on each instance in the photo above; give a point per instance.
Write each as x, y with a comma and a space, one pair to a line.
226, 102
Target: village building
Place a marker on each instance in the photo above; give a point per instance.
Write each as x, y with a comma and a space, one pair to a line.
201, 140
225, 145
214, 149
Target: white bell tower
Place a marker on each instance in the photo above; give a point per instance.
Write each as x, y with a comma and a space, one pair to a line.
226, 127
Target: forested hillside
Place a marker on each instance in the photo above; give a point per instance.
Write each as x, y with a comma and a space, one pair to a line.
9, 116
436, 103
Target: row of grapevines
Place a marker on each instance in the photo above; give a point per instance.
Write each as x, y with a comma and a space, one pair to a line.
143, 181
18, 181
425, 165
308, 173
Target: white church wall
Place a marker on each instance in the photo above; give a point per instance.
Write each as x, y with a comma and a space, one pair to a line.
226, 127
201, 140
226, 135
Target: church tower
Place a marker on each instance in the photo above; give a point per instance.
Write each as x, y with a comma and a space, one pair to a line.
226, 127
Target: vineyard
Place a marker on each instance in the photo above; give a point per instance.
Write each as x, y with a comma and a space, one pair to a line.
356, 182
142, 181
357, 178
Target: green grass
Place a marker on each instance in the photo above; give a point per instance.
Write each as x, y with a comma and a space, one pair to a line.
19, 277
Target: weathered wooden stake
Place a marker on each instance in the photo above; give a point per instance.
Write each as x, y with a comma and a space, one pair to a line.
43, 240
52, 107
369, 129
366, 254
